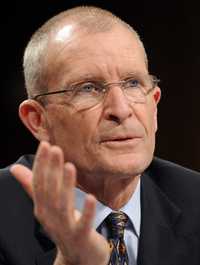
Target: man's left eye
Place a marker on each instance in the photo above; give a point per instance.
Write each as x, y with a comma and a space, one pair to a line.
133, 83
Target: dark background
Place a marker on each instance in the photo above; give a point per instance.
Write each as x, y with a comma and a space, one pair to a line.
170, 31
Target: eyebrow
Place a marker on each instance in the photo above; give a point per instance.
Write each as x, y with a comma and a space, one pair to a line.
135, 73
73, 79
82, 78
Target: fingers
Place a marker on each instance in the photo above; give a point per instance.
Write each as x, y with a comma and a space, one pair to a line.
53, 184
40, 167
48, 171
24, 176
53, 173
88, 214
67, 192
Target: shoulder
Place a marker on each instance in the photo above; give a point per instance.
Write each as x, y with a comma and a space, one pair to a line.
159, 168
13, 199
180, 184
8, 184
17, 223
26, 160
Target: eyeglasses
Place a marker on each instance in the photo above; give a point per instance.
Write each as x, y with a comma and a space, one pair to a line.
89, 93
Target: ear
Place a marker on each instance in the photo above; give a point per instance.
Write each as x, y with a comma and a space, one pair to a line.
157, 94
157, 97
33, 116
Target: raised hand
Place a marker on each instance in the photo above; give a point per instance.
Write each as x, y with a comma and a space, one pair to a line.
51, 185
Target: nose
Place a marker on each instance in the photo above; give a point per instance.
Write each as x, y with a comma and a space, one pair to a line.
116, 105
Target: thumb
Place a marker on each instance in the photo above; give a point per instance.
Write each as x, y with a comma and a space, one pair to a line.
24, 175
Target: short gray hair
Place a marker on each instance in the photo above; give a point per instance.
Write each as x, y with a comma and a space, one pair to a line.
93, 19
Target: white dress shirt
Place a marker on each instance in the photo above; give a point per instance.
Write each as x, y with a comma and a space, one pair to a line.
133, 210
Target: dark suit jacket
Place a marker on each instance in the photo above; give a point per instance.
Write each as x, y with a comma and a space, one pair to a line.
170, 228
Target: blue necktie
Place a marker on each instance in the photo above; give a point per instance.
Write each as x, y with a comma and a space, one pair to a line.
116, 222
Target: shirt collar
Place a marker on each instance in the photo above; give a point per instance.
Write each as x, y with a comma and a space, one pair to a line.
132, 208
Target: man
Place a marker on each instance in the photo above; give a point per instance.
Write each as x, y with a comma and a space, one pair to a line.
93, 106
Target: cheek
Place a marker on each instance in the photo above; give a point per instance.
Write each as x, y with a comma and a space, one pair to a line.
60, 125
147, 118
152, 120
73, 129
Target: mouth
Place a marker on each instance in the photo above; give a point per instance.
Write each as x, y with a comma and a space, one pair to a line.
121, 141
118, 139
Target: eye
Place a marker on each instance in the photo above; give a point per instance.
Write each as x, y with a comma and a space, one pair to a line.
133, 82
88, 87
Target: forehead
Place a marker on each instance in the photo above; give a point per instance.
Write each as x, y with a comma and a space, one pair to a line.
106, 54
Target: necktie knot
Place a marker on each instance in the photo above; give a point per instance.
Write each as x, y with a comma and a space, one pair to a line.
116, 222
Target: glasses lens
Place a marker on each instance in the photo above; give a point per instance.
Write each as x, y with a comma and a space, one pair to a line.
135, 95
137, 88
86, 99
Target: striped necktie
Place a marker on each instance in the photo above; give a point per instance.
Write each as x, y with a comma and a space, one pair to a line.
116, 222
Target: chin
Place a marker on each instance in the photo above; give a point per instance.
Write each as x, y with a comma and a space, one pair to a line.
125, 166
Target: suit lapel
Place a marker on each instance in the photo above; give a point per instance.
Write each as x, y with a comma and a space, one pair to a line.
159, 243
47, 258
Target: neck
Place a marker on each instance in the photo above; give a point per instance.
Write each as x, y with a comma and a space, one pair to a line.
114, 193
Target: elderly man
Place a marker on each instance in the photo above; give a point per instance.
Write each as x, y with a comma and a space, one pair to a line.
94, 194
